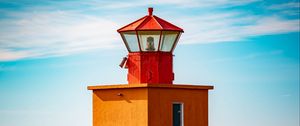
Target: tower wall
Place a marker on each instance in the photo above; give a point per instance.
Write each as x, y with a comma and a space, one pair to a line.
150, 67
148, 104
195, 104
111, 109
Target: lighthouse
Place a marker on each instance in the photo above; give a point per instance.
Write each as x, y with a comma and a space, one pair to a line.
150, 98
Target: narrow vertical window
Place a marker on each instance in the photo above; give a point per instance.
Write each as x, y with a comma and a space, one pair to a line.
177, 114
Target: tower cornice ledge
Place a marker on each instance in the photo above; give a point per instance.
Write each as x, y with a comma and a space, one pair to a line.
146, 85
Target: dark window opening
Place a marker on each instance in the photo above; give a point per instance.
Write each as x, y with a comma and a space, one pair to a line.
177, 114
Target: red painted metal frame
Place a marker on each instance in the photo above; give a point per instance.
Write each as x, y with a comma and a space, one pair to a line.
138, 38
139, 24
159, 43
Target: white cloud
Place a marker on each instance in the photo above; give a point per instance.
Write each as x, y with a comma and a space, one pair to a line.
7, 55
288, 8
233, 26
289, 5
54, 33
271, 25
250, 56
38, 32
177, 3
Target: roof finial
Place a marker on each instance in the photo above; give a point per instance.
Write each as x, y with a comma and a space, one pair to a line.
150, 10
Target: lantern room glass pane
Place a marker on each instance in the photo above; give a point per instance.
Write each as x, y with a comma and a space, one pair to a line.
149, 40
168, 40
131, 41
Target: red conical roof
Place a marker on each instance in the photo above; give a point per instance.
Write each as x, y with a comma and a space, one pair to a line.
150, 22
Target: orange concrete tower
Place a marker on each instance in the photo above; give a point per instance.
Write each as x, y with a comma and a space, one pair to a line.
150, 98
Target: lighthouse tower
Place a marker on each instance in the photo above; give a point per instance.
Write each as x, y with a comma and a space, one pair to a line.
150, 98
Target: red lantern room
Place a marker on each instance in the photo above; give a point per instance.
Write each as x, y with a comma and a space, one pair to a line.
150, 42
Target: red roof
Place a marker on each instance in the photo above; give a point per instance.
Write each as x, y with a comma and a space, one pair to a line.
150, 22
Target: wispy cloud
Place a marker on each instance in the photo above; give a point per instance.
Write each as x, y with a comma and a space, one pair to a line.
7, 55
54, 33
289, 8
56, 28
233, 26
178, 3
249, 56
289, 5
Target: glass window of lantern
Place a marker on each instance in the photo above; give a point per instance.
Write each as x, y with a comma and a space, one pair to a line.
149, 40
131, 41
168, 40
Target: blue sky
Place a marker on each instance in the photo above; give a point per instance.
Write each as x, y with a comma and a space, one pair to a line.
50, 51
